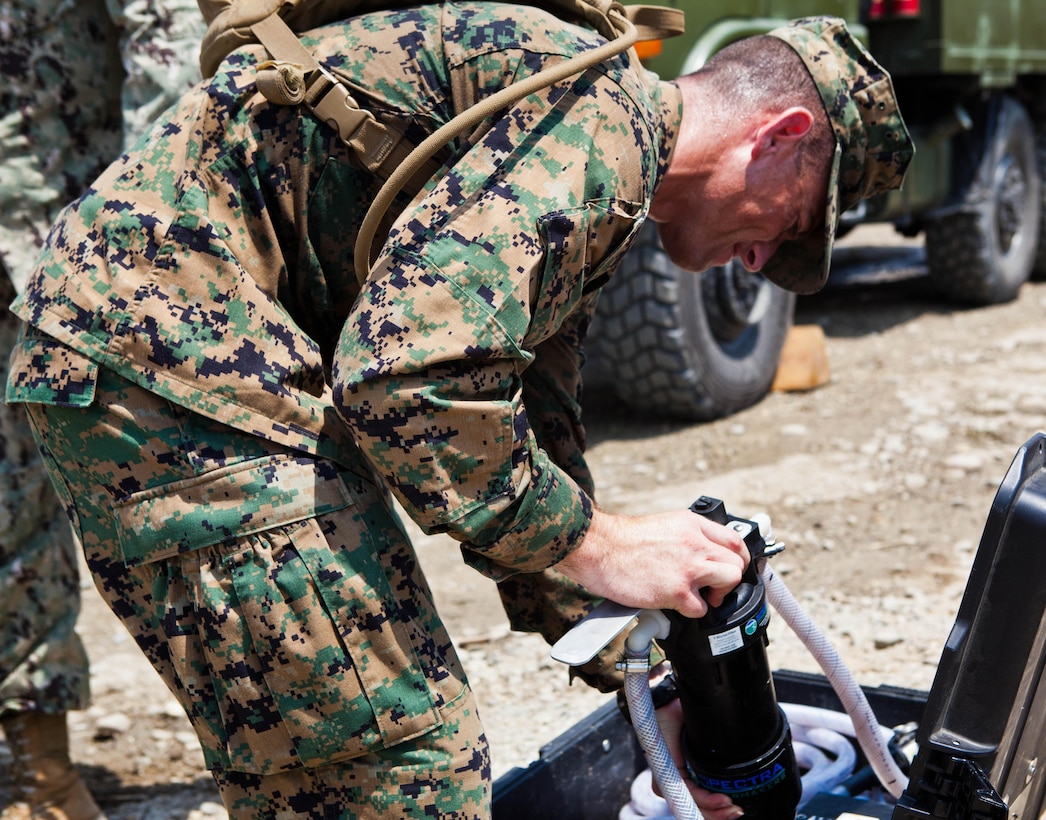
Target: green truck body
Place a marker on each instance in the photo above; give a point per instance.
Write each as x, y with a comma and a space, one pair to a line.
994, 42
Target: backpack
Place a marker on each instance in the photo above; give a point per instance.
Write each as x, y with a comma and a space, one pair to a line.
293, 76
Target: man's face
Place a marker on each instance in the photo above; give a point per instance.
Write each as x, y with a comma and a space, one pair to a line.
743, 215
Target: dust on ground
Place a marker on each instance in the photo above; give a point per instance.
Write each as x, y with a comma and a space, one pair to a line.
878, 483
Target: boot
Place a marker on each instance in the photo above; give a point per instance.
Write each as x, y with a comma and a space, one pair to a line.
46, 786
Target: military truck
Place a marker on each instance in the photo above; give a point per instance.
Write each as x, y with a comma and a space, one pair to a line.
971, 79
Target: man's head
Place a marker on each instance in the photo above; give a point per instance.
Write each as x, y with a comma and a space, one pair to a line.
873, 147
804, 124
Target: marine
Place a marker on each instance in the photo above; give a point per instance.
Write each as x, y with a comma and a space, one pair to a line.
226, 404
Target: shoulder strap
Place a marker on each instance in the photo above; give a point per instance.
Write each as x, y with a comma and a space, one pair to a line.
656, 21
294, 76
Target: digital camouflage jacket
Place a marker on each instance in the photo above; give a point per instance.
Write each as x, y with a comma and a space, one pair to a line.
213, 265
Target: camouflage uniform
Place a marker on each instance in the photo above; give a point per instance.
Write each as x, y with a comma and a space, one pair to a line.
65, 106
186, 316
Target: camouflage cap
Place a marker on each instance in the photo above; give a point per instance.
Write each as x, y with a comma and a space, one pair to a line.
872, 145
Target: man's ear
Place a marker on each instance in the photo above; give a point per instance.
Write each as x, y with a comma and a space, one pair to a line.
782, 131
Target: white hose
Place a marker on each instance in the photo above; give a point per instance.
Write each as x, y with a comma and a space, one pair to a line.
823, 773
802, 715
653, 624
648, 732
866, 727
808, 757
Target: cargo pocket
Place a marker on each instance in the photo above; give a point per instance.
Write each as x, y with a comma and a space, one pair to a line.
224, 505
285, 626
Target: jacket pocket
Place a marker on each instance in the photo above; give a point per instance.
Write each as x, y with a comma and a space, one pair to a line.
45, 371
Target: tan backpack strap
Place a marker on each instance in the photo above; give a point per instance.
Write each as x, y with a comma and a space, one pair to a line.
625, 37
294, 76
282, 43
651, 22
655, 22
321, 91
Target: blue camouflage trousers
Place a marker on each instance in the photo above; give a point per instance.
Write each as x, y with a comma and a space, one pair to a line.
276, 595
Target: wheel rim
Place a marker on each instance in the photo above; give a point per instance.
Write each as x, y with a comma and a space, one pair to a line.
735, 299
1011, 196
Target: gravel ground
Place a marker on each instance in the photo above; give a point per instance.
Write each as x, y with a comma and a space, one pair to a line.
878, 483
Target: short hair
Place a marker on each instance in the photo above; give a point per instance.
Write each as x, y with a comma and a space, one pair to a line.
764, 73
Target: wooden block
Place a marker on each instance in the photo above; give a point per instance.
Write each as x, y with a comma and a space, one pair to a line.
804, 360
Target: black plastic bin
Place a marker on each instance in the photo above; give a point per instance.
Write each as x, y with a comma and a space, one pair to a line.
586, 773
982, 727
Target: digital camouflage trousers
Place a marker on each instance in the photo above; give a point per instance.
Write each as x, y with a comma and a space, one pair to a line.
276, 595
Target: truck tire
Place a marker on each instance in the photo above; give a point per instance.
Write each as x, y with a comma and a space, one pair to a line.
983, 251
687, 346
1038, 270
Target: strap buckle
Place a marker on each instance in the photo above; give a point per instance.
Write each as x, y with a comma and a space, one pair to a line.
329, 99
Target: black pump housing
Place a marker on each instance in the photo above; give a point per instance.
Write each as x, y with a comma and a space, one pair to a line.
736, 738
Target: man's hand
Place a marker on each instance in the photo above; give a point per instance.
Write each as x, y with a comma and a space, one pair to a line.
675, 560
713, 806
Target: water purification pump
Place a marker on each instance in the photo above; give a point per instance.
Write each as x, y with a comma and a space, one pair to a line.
736, 738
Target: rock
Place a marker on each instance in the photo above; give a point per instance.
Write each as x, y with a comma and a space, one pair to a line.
932, 431
111, 725
915, 481
804, 360
968, 462
887, 639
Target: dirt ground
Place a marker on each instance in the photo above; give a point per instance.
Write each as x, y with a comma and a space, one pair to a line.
878, 482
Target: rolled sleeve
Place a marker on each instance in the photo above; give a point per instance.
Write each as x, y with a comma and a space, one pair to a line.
552, 517
428, 375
